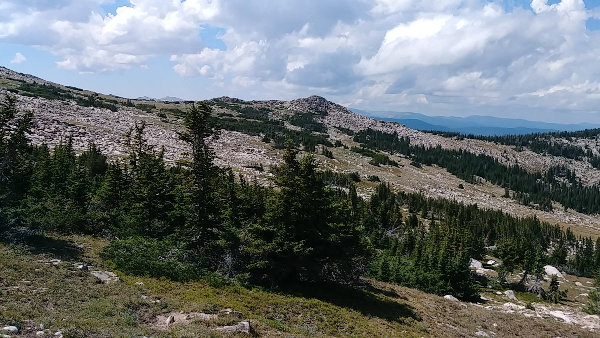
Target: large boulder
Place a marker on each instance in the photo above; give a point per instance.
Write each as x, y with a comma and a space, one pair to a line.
11, 329
550, 270
475, 264
451, 297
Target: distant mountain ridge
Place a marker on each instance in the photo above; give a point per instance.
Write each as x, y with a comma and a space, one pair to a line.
475, 124
166, 98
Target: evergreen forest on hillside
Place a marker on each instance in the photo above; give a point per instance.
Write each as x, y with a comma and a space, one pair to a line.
194, 220
537, 189
555, 143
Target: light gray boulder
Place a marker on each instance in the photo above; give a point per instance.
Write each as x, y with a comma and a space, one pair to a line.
243, 326
106, 276
550, 270
510, 294
475, 264
451, 297
11, 329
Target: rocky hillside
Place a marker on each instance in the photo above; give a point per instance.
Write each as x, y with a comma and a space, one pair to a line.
246, 143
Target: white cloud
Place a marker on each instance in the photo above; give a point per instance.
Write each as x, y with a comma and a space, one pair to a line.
19, 58
432, 56
89, 41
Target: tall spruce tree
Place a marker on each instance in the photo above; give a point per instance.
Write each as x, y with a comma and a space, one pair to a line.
299, 239
148, 196
201, 229
15, 161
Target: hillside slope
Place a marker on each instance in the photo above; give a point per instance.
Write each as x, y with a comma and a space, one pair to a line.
44, 293
61, 112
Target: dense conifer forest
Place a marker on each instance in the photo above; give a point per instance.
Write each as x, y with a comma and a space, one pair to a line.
194, 220
548, 143
539, 190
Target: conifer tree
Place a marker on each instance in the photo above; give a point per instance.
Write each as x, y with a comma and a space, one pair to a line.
201, 228
15, 166
299, 238
148, 196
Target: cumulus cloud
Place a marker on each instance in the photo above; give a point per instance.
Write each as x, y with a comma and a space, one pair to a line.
19, 58
90, 41
432, 56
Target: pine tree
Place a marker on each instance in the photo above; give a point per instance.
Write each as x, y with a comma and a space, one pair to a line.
15, 162
109, 202
299, 238
554, 294
148, 196
202, 227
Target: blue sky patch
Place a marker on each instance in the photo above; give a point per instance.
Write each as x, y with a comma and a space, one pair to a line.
593, 24
111, 8
211, 37
589, 4
509, 5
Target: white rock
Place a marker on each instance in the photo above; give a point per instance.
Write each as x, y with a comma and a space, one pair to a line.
513, 306
206, 316
451, 297
492, 262
483, 271
510, 294
481, 334
550, 270
578, 284
239, 327
139, 283
561, 315
106, 276
11, 329
231, 312
39, 333
475, 264
170, 320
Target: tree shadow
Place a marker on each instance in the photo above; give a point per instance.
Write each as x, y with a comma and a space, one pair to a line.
38, 243
371, 301
386, 292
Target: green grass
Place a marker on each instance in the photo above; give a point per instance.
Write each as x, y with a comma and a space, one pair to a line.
62, 298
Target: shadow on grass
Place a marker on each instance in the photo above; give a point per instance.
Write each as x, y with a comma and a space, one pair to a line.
374, 302
38, 243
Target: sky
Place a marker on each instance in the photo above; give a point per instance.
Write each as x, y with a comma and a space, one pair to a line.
537, 60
